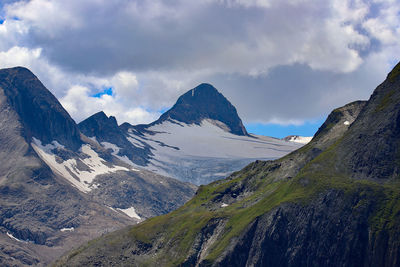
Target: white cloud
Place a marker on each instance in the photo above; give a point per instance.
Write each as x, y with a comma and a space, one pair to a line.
385, 27
176, 35
80, 104
125, 84
19, 56
152, 51
49, 16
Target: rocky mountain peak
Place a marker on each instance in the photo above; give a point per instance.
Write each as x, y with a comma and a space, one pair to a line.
205, 102
98, 124
39, 111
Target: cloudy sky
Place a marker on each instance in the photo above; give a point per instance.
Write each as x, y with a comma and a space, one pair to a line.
284, 64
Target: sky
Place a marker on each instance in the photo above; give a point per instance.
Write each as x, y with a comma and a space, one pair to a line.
283, 64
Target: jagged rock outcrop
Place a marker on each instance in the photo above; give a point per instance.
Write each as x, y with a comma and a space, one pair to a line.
106, 129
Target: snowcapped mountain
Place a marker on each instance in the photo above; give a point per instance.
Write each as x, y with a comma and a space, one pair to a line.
199, 140
59, 188
204, 102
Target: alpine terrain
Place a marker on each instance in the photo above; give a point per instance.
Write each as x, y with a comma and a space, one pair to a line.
333, 202
199, 140
58, 187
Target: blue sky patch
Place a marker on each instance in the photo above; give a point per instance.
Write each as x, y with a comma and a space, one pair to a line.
107, 91
280, 131
163, 110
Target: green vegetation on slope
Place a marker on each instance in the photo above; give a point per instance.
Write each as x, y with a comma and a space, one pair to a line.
394, 73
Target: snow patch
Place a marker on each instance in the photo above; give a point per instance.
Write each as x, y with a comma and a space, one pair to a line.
346, 123
68, 168
223, 205
71, 229
115, 150
125, 159
300, 139
130, 212
135, 142
16, 239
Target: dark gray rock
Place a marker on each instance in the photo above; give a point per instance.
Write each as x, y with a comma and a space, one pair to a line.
150, 194
325, 233
106, 129
40, 113
204, 102
371, 147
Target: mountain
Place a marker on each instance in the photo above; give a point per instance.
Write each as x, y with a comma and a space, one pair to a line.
59, 188
199, 140
204, 102
333, 202
39, 111
106, 131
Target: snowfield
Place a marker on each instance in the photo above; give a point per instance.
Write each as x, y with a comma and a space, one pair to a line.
206, 152
81, 174
130, 212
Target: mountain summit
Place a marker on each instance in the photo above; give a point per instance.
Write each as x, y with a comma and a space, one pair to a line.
205, 102
40, 112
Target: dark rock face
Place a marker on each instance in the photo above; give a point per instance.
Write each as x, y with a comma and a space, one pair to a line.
40, 112
345, 115
325, 233
100, 125
106, 129
371, 147
205, 102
